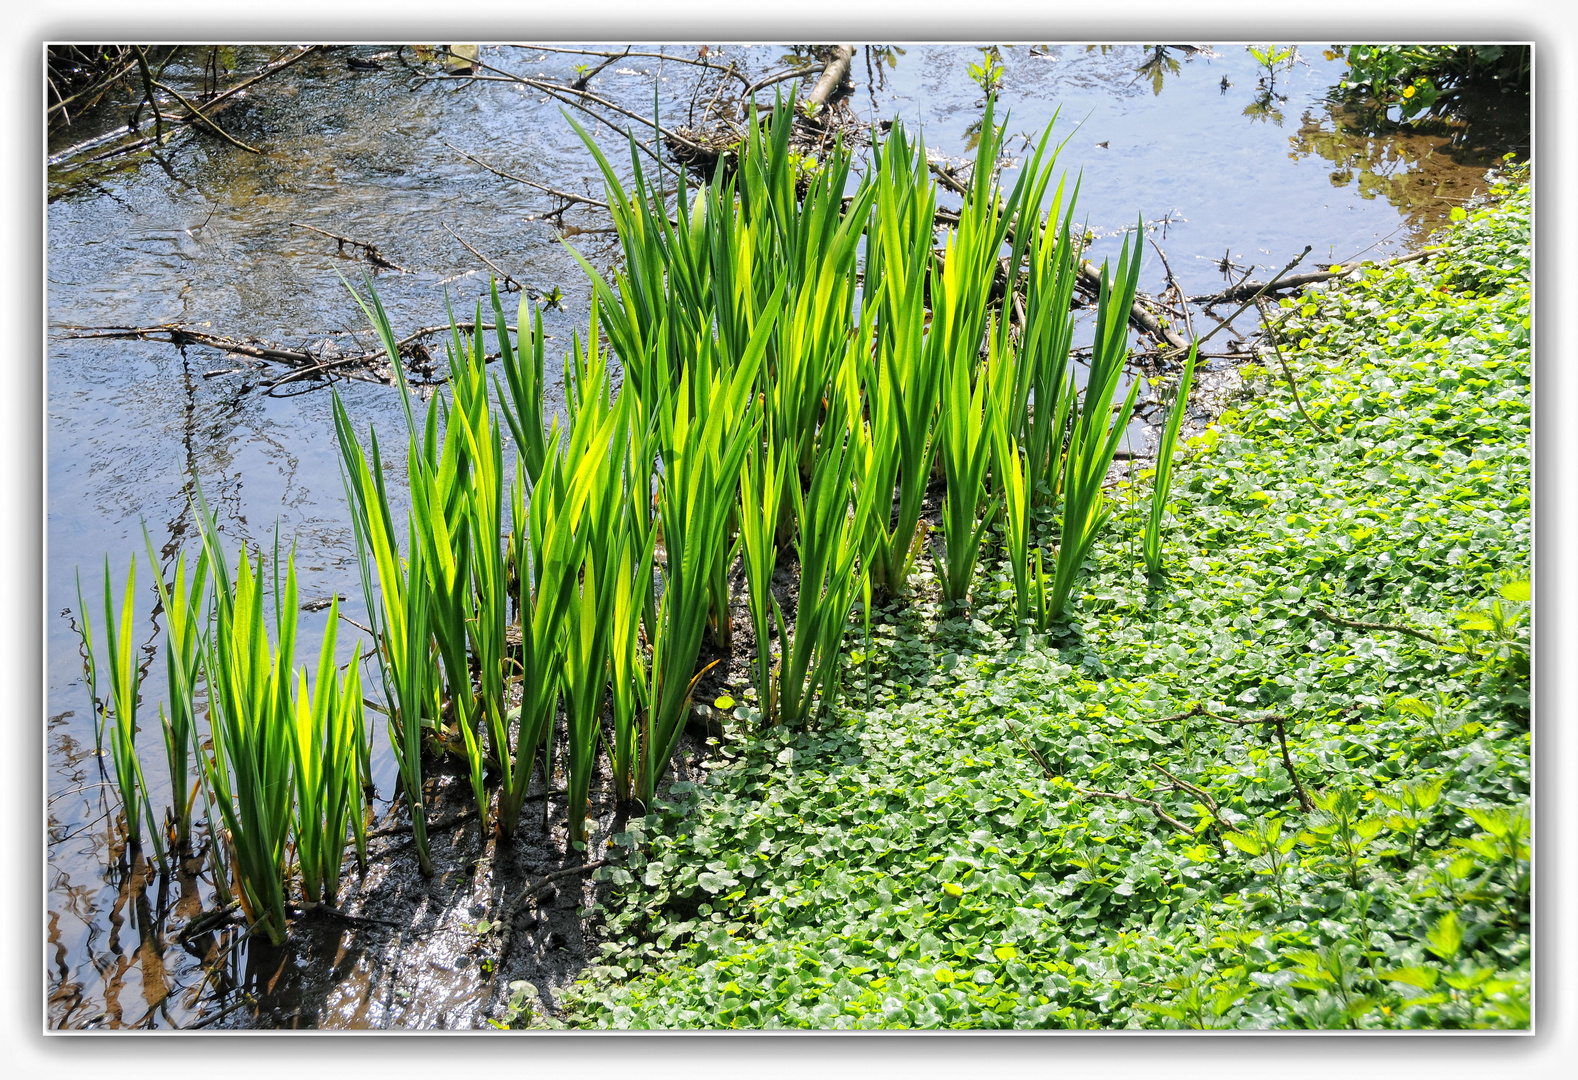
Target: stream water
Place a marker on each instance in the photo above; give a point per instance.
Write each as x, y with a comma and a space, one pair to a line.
203, 233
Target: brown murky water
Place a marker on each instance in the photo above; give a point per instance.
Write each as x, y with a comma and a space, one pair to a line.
202, 233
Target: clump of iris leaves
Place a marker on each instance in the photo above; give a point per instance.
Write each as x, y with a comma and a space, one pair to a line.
963, 846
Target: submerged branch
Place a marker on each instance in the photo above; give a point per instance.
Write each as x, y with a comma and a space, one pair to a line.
510, 284
555, 192
374, 256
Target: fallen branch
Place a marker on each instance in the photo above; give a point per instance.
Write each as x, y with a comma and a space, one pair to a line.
148, 94
437, 826
207, 921
582, 80
304, 363
524, 898
1297, 281
1154, 806
211, 106
331, 912
1172, 284
1282, 738
1272, 332
834, 76
198, 114
510, 284
1326, 616
241, 1003
727, 69
374, 256
1041, 761
555, 192
778, 77
1201, 793
560, 88
1257, 294
1091, 277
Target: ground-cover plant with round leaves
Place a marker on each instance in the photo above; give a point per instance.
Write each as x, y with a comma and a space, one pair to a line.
1103, 829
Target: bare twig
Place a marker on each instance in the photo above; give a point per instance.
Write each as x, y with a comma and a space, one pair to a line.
602, 102
240, 1003
1154, 806
1251, 289
582, 80
332, 912
205, 922
1201, 793
437, 826
374, 256
555, 192
1258, 293
96, 87
778, 77
1272, 332
727, 69
1326, 616
950, 180
510, 284
1089, 276
359, 626
1172, 283
1282, 737
524, 898
1041, 761
153, 99
1137, 314
276, 66
198, 114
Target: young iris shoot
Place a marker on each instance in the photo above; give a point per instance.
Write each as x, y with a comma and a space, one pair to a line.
1097, 429
251, 717
1162, 484
324, 736
184, 612
125, 687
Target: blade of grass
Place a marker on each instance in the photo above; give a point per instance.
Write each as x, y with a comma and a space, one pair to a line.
1162, 484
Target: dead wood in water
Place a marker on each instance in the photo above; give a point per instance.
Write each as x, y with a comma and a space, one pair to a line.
566, 197
509, 283
778, 77
205, 117
366, 366
374, 256
834, 76
1250, 289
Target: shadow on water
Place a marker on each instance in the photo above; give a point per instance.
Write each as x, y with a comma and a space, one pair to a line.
361, 142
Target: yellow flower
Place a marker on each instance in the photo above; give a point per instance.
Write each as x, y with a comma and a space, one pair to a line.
1408, 91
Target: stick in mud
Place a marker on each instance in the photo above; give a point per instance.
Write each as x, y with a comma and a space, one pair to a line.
508, 921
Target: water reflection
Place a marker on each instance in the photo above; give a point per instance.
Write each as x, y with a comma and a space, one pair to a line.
1422, 168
